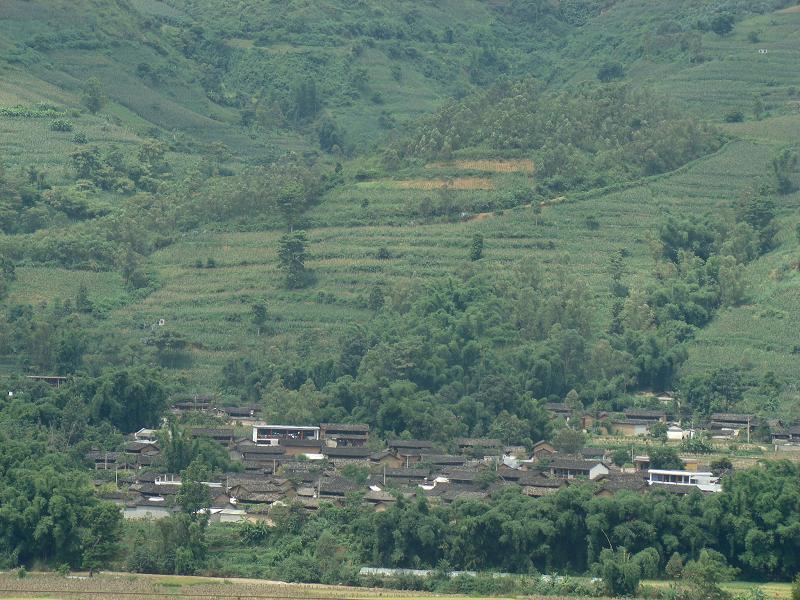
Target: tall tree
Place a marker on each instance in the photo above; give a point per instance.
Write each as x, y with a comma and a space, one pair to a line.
785, 166
292, 258
102, 529
292, 202
476, 249
93, 96
259, 316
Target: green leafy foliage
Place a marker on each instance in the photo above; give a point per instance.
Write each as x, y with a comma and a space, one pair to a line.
476, 249
664, 457
292, 258
569, 441
93, 96
594, 142
619, 572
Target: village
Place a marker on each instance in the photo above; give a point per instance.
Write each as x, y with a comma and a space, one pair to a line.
336, 462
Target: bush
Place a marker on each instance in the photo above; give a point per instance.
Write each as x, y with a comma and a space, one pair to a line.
620, 573
610, 71
299, 568
60, 125
79, 138
722, 24
736, 116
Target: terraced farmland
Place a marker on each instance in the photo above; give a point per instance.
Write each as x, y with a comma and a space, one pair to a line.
212, 306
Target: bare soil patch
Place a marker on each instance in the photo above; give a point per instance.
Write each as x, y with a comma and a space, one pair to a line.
457, 183
491, 166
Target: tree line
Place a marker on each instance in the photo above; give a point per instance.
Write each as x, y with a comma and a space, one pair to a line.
748, 530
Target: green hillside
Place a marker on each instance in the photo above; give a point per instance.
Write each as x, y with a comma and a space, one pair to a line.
455, 234
346, 83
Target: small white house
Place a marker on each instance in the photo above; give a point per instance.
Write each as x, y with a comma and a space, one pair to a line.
676, 433
703, 480
571, 468
145, 435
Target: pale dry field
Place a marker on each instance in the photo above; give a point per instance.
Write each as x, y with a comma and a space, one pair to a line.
491, 166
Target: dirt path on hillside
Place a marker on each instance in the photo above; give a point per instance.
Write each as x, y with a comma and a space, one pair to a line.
482, 216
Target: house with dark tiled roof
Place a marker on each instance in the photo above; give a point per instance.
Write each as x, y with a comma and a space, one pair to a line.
640, 414
343, 455
300, 447
387, 459
615, 482
221, 435
402, 476
260, 491
558, 409
344, 434
335, 488
534, 484
380, 500
140, 453
263, 456
480, 446
790, 435
239, 413
593, 453
457, 493
103, 460
410, 444
136, 447
410, 452
732, 424
631, 427
197, 403
460, 476
443, 460
542, 449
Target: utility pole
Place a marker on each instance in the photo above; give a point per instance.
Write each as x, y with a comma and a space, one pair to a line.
748, 429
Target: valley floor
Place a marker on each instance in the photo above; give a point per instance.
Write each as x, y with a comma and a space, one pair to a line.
125, 585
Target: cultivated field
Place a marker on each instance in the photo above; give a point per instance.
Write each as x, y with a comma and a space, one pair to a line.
212, 307
146, 587
456, 183
427, 233
490, 166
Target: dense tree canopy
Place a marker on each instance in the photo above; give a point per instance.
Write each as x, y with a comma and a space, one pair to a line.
586, 137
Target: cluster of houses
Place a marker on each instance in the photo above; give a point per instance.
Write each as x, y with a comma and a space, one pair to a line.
310, 464
636, 422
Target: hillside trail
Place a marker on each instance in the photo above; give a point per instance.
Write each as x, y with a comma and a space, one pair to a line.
482, 216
